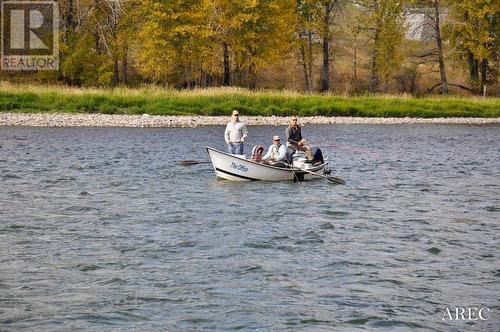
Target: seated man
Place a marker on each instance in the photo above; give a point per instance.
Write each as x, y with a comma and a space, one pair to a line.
294, 140
276, 155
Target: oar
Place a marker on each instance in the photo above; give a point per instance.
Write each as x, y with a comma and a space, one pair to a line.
332, 179
193, 162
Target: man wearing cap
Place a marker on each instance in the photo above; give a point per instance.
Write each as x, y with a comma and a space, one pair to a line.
235, 134
276, 155
294, 140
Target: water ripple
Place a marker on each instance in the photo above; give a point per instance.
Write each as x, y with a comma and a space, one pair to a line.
101, 230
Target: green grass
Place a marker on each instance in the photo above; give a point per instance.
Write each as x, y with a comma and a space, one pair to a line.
220, 101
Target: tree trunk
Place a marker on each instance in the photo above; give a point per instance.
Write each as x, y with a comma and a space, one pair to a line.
227, 66
114, 26
310, 59
68, 27
187, 76
96, 42
325, 72
124, 66
209, 80
304, 67
473, 68
253, 77
68, 21
473, 72
115, 71
439, 43
96, 31
237, 74
200, 81
355, 58
484, 72
375, 81
386, 83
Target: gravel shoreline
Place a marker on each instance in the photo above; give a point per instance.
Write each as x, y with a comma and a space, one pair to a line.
153, 121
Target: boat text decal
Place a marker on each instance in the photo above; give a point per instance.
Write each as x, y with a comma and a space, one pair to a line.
239, 167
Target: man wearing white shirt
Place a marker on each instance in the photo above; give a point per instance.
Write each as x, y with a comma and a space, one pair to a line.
235, 134
276, 154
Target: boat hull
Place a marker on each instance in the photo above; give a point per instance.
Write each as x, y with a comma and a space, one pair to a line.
235, 168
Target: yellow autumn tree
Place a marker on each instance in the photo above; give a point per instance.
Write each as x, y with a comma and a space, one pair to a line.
474, 32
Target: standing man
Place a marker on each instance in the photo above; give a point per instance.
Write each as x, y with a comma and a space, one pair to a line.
294, 140
235, 134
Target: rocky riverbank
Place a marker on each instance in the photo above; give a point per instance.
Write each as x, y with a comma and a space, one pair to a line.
150, 121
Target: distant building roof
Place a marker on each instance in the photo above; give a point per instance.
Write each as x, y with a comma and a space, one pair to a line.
420, 27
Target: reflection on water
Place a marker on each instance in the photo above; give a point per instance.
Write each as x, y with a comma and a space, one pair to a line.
103, 229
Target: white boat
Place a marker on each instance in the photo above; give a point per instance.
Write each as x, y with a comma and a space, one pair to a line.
237, 168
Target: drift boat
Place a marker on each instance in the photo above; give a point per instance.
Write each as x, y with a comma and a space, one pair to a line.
237, 168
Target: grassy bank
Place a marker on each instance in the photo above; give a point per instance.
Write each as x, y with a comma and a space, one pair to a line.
220, 101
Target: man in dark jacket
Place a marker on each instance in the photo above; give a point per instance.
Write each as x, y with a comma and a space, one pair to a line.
294, 140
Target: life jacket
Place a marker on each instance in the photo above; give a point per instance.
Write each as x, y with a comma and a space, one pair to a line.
257, 153
275, 151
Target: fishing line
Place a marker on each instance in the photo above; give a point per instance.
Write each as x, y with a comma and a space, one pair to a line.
296, 177
373, 154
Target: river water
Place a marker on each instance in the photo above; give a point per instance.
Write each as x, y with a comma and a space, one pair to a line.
102, 229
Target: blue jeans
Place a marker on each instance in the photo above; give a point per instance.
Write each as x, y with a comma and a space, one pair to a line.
235, 148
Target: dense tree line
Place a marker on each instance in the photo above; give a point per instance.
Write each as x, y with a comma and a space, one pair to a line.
322, 44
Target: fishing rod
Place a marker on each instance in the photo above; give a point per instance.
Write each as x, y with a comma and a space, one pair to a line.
330, 178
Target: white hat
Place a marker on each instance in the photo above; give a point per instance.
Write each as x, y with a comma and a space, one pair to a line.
276, 138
